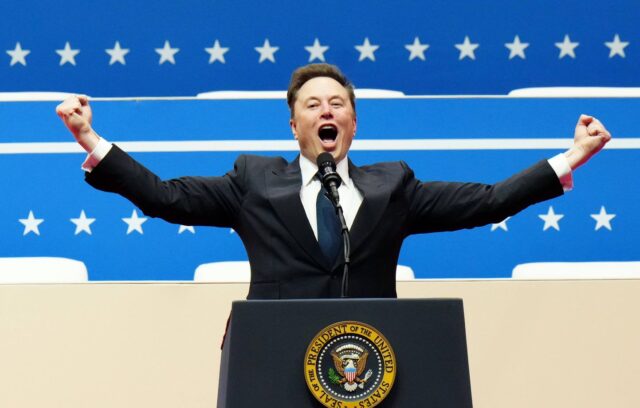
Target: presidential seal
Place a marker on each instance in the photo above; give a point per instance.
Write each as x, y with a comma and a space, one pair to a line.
349, 365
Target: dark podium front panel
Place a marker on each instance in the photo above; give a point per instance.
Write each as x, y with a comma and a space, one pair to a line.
263, 356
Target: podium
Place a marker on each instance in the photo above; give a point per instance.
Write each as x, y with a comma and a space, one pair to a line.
268, 341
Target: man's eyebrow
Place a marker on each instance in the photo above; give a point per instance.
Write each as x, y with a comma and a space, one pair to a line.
308, 98
317, 98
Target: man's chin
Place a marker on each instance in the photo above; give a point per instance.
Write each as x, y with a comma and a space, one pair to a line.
331, 149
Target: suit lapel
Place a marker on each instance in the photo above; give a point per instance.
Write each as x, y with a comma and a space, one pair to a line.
283, 190
375, 199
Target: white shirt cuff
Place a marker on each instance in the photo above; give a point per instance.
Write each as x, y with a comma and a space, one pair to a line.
560, 165
95, 157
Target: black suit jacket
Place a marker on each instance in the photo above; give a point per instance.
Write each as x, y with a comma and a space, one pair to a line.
260, 199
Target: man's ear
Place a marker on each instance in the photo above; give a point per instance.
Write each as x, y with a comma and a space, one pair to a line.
355, 126
294, 130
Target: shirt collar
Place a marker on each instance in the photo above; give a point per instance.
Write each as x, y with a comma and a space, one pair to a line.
309, 170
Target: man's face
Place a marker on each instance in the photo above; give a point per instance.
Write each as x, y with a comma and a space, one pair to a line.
323, 120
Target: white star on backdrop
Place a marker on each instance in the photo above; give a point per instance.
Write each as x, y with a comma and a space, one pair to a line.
167, 54
551, 219
117, 54
467, 49
184, 228
67, 54
603, 219
216, 53
502, 225
18, 55
366, 50
31, 224
134, 222
267, 52
316, 51
83, 224
567, 47
616, 47
516, 48
416, 49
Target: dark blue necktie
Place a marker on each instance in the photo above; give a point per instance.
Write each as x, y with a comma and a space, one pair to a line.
329, 230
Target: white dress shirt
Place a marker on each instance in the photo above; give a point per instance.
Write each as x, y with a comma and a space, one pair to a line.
350, 196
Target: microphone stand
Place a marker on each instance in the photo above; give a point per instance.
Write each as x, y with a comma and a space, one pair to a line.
346, 240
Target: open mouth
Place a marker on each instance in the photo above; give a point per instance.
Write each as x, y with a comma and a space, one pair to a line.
328, 133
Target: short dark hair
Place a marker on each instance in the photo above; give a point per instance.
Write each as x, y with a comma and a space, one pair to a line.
301, 75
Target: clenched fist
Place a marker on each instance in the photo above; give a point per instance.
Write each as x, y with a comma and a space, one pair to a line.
75, 112
589, 138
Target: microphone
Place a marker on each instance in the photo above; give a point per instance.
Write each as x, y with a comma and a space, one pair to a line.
328, 175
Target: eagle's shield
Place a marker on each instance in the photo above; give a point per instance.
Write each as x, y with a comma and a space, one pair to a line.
350, 374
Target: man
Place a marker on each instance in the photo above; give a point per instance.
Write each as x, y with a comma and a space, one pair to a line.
273, 204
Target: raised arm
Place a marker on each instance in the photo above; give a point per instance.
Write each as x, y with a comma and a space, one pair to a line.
186, 200
440, 206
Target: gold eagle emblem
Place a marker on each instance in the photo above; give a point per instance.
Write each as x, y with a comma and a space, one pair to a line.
350, 361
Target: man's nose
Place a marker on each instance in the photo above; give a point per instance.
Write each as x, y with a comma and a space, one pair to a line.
326, 110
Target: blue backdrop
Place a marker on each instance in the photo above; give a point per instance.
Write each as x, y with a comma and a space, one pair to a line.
167, 48
46, 179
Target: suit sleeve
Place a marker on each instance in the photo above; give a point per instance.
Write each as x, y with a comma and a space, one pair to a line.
187, 200
445, 206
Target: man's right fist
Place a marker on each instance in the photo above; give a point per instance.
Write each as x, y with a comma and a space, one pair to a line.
75, 112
